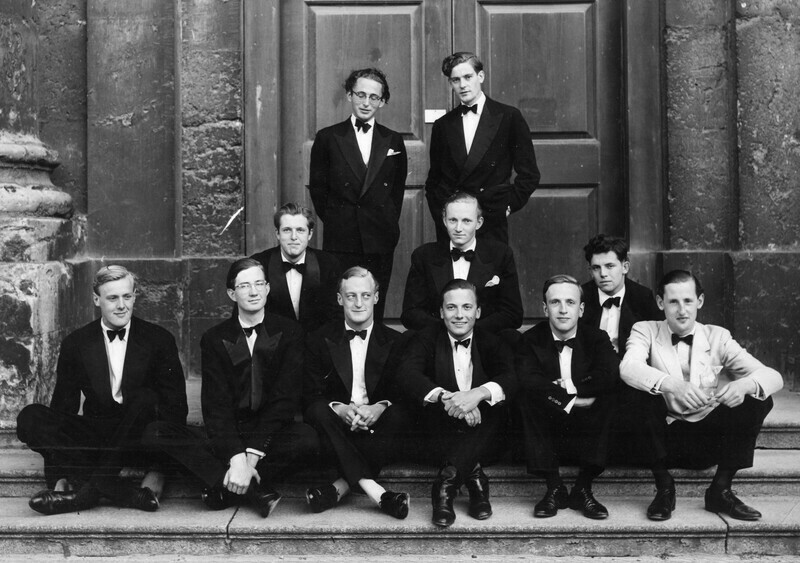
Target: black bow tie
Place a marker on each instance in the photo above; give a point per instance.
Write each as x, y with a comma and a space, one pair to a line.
362, 125
561, 343
466, 109
248, 330
464, 343
112, 334
688, 339
467, 255
301, 268
612, 301
362, 334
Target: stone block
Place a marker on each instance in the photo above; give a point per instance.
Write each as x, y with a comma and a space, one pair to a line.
785, 9
211, 84
696, 13
211, 25
207, 210
38, 239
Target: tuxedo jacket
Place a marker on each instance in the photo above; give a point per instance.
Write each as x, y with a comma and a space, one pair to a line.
151, 363
227, 366
650, 355
329, 365
427, 363
502, 143
493, 271
318, 303
594, 366
359, 204
638, 305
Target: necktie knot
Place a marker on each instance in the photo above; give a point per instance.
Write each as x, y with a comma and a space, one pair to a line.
300, 268
561, 343
112, 334
464, 343
351, 334
466, 109
612, 302
362, 125
467, 255
688, 339
248, 330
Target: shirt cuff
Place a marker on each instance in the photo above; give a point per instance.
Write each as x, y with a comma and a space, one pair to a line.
333, 404
656, 389
571, 404
386, 403
495, 391
433, 396
759, 394
254, 451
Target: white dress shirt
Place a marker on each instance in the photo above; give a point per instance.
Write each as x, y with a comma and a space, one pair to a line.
294, 280
461, 266
609, 320
470, 121
565, 369
251, 340
115, 352
364, 139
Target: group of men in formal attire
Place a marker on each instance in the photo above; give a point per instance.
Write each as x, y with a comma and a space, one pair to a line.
305, 372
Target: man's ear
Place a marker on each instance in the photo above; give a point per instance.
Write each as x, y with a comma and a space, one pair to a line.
478, 313
580, 311
700, 300
626, 266
441, 313
310, 233
660, 302
339, 299
95, 299
232, 294
479, 223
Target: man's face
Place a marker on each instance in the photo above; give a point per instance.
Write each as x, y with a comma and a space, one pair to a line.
466, 83
460, 311
680, 304
366, 109
249, 295
293, 236
116, 302
358, 298
461, 221
563, 308
608, 272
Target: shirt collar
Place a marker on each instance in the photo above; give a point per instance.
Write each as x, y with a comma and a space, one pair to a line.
573, 334
454, 340
371, 122
126, 328
480, 103
301, 260
470, 246
368, 329
245, 324
602, 296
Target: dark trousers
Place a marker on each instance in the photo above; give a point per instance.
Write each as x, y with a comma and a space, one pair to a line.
289, 447
360, 455
83, 449
381, 267
551, 434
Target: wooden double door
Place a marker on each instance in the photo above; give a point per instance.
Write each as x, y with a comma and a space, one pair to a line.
558, 62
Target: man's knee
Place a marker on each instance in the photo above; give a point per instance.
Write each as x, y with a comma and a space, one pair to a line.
29, 422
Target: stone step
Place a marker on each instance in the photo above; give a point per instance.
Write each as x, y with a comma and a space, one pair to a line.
775, 472
356, 528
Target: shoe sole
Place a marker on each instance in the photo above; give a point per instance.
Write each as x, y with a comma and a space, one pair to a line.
272, 507
748, 519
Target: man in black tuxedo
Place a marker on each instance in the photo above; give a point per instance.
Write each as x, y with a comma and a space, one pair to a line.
459, 375
129, 372
475, 147
357, 179
349, 375
302, 280
568, 374
252, 368
488, 264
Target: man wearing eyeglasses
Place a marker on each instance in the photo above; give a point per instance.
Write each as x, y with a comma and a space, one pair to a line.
357, 179
252, 369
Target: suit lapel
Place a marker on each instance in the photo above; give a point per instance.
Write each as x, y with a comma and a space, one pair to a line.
701, 355
377, 355
346, 139
484, 135
96, 360
311, 281
339, 348
548, 356
136, 360
666, 351
478, 374
445, 370
380, 146
442, 266
455, 134
479, 271
235, 344
279, 289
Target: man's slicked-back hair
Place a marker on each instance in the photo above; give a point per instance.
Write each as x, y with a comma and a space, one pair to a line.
293, 208
600, 244
459, 283
358, 272
241, 265
373, 74
679, 276
560, 278
112, 273
452, 61
462, 196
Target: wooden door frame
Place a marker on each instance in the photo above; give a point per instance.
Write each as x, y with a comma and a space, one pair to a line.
643, 129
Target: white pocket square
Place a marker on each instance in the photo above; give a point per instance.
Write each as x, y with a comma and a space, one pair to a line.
493, 282
392, 152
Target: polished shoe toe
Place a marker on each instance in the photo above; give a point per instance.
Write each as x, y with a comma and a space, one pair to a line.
395, 504
142, 499
322, 498
218, 498
263, 499
663, 504
551, 502
582, 499
725, 501
60, 502
443, 516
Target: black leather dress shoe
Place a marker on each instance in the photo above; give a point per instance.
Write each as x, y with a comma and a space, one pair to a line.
57, 502
553, 500
322, 498
443, 492
478, 486
583, 500
218, 498
726, 502
663, 504
395, 504
141, 499
264, 499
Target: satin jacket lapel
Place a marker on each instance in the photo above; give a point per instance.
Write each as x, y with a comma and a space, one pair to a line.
484, 135
666, 351
442, 267
445, 370
479, 271
455, 136
346, 139
265, 345
548, 356
311, 281
339, 348
578, 363
593, 313
236, 344
701, 355
377, 356
478, 374
626, 321
278, 288
380, 146
96, 360
136, 360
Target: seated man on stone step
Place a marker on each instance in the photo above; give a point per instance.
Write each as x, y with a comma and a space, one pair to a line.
349, 382
252, 379
568, 375
129, 372
709, 397
458, 376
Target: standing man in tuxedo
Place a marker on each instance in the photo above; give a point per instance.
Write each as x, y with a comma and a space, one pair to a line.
129, 372
709, 397
568, 374
357, 180
252, 368
458, 375
349, 379
486, 263
302, 280
475, 147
